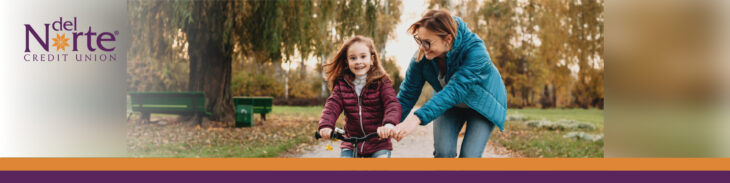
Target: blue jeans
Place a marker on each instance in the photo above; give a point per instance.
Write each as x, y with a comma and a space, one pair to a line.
446, 130
347, 153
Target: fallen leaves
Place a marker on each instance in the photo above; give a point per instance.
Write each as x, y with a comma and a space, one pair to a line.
218, 139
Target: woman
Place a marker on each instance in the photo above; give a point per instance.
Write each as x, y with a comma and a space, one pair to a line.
455, 62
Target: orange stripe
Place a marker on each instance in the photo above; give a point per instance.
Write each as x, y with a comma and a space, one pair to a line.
363, 164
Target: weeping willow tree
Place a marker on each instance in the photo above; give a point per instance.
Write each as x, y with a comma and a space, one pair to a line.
190, 45
203, 34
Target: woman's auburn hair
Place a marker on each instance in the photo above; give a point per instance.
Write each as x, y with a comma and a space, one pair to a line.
337, 67
437, 21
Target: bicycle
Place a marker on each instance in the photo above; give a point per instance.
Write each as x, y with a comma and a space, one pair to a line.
339, 133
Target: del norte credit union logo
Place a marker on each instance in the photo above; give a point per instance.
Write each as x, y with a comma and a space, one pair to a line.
67, 41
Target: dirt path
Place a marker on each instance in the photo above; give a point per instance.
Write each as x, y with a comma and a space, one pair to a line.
419, 144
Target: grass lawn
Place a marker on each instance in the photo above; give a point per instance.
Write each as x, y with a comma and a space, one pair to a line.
533, 142
312, 111
594, 116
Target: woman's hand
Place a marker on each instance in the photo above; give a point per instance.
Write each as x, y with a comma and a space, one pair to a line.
386, 131
325, 133
404, 128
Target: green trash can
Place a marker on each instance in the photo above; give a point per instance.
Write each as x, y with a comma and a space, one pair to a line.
244, 115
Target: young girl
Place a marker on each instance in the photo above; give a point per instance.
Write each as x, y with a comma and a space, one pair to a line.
361, 87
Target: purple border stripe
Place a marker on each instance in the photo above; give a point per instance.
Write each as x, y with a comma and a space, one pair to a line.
366, 176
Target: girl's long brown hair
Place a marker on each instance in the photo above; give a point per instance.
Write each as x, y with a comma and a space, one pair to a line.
337, 66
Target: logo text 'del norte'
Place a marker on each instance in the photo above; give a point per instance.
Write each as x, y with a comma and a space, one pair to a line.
68, 38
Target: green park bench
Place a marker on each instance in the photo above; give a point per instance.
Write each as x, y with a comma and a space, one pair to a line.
169, 103
261, 105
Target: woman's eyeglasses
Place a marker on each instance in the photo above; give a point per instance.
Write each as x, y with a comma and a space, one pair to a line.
425, 43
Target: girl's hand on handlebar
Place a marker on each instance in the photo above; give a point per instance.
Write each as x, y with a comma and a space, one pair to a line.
386, 131
325, 133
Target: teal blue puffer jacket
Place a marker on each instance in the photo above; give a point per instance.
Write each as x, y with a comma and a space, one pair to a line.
471, 76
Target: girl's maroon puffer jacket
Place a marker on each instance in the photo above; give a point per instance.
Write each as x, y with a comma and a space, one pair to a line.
376, 106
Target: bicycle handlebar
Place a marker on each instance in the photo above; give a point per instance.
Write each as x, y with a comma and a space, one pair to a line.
339, 133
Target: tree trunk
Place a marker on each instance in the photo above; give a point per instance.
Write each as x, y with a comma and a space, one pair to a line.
286, 80
303, 69
324, 90
210, 59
